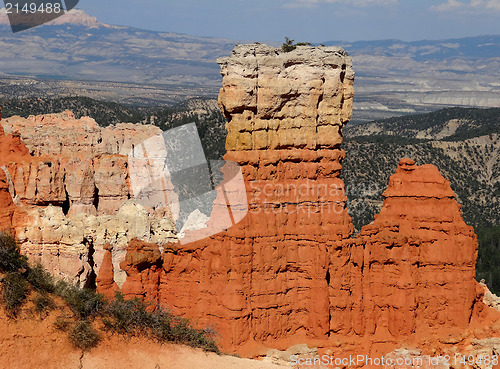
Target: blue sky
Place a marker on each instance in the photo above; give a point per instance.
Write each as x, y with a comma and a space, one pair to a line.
305, 20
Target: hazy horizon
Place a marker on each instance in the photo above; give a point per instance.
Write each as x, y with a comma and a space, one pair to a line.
305, 20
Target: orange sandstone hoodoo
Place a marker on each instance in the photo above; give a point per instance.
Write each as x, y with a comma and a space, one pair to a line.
288, 273
12, 150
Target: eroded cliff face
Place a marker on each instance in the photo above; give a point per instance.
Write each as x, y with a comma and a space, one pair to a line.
68, 182
12, 150
264, 281
409, 275
288, 273
418, 258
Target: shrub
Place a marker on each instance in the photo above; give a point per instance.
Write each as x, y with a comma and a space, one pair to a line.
62, 324
288, 45
131, 317
14, 292
127, 316
184, 333
11, 259
83, 302
161, 326
166, 327
83, 335
40, 279
43, 303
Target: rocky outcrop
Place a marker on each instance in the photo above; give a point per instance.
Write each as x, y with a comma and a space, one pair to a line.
275, 100
264, 280
489, 298
417, 257
70, 178
84, 166
411, 271
6, 204
12, 149
287, 272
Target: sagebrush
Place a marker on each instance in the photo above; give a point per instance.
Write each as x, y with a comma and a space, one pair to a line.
130, 317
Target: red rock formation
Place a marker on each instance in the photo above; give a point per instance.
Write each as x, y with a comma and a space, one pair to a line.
419, 257
288, 273
12, 150
70, 177
410, 273
6, 204
263, 281
105, 277
84, 164
143, 266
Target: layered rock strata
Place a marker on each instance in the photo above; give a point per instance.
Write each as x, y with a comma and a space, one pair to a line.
417, 258
410, 273
11, 150
287, 272
265, 279
70, 179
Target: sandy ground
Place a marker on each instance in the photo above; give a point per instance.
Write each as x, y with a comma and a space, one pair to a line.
31, 343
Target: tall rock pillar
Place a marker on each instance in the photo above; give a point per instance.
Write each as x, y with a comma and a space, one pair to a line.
285, 111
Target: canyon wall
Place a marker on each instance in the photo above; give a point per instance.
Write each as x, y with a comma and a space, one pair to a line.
264, 280
69, 181
409, 275
289, 271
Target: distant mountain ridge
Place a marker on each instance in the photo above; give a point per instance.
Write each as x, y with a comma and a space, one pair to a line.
451, 124
392, 77
485, 46
78, 46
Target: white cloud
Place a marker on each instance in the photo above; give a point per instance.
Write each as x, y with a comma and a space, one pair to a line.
358, 3
464, 6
